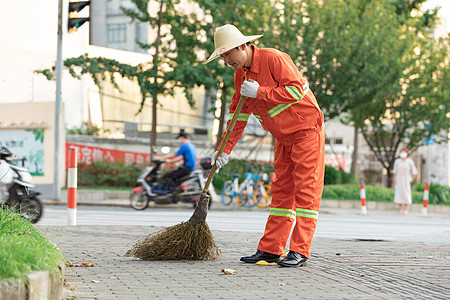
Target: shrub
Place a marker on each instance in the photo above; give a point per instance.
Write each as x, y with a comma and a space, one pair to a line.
374, 193
438, 193
331, 175
108, 174
337, 176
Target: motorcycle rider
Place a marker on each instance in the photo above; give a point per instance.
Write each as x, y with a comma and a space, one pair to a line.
187, 152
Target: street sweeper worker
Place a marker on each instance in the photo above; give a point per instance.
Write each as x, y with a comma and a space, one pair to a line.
188, 153
280, 98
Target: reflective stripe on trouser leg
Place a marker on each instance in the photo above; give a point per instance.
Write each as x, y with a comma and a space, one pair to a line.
282, 212
309, 157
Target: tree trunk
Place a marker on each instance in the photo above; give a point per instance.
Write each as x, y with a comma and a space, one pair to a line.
222, 116
389, 177
355, 151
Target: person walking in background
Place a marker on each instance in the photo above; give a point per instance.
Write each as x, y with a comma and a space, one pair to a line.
404, 174
280, 98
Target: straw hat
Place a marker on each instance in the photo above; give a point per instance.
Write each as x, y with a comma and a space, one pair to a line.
228, 37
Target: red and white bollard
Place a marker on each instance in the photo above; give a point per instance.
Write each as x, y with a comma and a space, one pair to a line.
426, 194
362, 195
72, 187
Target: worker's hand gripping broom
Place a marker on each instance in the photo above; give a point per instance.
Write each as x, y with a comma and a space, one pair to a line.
188, 240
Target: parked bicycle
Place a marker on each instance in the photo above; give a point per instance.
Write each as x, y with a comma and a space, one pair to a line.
266, 190
247, 193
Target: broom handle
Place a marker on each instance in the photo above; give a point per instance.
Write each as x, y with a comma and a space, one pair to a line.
224, 142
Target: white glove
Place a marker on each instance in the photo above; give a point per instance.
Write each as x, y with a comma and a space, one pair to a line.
221, 161
249, 89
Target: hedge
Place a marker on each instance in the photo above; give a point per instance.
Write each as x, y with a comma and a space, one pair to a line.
374, 193
108, 174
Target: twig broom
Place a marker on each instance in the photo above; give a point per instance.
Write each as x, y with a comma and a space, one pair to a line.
190, 240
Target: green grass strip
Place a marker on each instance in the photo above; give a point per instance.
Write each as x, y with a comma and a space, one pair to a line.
22, 248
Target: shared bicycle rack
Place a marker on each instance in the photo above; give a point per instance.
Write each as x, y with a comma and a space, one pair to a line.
253, 191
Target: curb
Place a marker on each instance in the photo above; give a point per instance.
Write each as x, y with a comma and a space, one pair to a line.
34, 286
217, 205
349, 204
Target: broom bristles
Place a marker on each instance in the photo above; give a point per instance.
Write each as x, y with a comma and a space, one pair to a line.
182, 241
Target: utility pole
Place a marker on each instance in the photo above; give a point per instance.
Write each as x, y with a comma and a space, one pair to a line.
58, 105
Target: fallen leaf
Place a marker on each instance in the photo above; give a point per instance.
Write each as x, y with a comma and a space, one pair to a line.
73, 288
95, 281
69, 264
228, 271
282, 284
265, 263
85, 265
361, 274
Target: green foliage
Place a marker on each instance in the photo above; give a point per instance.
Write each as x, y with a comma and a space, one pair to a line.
250, 17
341, 192
374, 193
23, 249
331, 175
337, 176
85, 129
171, 66
372, 63
438, 193
102, 173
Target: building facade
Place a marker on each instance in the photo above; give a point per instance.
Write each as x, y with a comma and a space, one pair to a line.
111, 28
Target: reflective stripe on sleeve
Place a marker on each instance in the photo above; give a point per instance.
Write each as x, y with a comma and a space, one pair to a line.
297, 96
258, 117
307, 213
242, 117
282, 212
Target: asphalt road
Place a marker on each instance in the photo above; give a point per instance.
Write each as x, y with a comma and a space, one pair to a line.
335, 223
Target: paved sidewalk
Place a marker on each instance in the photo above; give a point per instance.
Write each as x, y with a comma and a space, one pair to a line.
337, 269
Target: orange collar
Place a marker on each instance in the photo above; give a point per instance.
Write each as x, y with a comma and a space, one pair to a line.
255, 61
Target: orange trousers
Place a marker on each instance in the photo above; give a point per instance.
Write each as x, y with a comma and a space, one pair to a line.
296, 190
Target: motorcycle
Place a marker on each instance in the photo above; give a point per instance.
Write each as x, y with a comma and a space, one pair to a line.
150, 189
16, 188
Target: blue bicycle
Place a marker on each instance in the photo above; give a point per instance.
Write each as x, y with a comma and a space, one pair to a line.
247, 193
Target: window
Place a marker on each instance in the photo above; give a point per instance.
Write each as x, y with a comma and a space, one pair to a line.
117, 33
338, 141
138, 32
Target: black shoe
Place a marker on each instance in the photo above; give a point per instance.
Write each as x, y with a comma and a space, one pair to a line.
293, 259
260, 255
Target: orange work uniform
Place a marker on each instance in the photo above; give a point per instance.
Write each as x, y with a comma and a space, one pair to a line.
286, 107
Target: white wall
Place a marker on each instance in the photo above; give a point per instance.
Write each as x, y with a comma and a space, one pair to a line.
28, 42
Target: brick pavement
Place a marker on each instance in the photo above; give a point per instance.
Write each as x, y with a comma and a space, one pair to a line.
337, 269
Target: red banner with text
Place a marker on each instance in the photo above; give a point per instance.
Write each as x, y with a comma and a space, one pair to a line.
88, 154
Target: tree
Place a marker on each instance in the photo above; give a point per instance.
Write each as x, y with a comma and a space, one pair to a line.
176, 56
373, 65
418, 104
250, 17
414, 94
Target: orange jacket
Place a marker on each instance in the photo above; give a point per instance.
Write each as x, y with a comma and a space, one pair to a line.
284, 104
